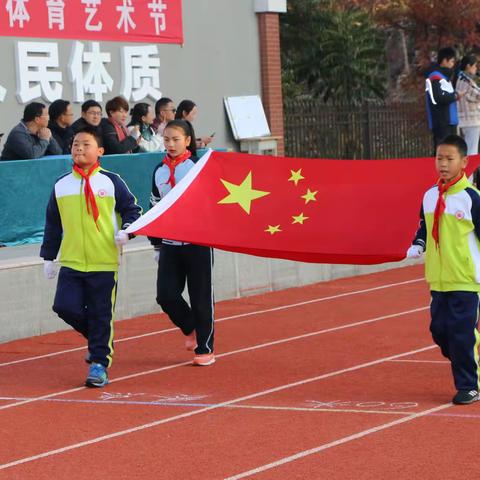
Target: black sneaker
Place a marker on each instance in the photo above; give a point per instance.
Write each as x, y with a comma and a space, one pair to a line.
464, 397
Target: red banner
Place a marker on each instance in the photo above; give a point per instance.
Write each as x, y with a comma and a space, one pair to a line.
311, 210
147, 21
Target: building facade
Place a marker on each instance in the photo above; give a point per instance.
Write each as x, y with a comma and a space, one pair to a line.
203, 50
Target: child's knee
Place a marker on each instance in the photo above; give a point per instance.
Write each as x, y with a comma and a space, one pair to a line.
68, 314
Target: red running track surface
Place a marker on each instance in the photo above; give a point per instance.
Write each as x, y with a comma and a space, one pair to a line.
337, 380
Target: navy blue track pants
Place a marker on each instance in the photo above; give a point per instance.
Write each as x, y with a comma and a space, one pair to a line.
86, 301
454, 330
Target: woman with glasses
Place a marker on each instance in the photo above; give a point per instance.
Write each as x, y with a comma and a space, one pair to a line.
164, 113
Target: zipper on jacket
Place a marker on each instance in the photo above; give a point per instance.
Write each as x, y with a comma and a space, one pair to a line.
82, 195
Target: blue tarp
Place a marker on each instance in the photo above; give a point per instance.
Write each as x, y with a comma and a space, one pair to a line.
26, 185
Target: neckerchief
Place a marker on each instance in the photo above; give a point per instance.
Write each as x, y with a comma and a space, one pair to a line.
89, 195
440, 206
122, 133
171, 163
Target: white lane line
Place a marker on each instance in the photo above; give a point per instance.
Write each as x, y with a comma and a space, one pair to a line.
338, 442
226, 354
246, 407
306, 409
232, 317
422, 361
214, 407
279, 342
155, 403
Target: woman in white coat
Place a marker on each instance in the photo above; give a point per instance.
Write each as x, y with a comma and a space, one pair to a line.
142, 117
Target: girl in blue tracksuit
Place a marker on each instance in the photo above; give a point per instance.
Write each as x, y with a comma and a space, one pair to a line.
180, 262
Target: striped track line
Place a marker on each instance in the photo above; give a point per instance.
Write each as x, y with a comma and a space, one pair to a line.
226, 354
336, 443
238, 400
232, 317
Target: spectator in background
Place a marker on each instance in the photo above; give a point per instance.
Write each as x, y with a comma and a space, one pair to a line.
187, 110
164, 113
116, 138
31, 138
61, 118
441, 96
91, 117
469, 103
142, 117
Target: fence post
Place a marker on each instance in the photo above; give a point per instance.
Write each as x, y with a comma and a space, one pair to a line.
367, 131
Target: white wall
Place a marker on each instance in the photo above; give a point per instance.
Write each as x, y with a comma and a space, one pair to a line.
26, 297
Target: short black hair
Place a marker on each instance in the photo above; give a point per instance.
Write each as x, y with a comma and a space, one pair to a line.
89, 104
93, 132
162, 102
57, 108
32, 111
455, 141
446, 53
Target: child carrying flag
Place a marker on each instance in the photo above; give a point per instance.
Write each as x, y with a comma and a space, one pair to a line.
180, 262
449, 232
87, 213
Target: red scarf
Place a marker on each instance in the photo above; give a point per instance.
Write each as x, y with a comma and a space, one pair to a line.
89, 195
122, 133
440, 207
171, 163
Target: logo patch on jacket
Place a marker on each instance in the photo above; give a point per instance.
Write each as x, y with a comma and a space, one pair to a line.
459, 215
102, 193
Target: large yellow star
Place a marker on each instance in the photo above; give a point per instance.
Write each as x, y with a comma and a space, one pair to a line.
310, 196
272, 229
242, 194
296, 176
299, 219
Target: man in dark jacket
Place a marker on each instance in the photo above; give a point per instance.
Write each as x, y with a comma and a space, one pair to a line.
441, 96
61, 117
91, 117
31, 138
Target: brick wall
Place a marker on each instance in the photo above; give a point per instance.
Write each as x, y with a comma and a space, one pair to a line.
269, 30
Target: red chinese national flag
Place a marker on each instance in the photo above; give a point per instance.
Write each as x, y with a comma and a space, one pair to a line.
311, 210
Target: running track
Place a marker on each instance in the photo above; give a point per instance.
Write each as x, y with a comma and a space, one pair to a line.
337, 380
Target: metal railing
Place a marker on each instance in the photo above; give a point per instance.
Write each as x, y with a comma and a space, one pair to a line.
314, 129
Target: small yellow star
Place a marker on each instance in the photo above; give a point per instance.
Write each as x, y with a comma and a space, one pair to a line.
310, 196
299, 219
273, 229
242, 194
296, 176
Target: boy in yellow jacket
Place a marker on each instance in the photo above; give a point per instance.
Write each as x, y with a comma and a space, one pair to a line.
85, 220
449, 233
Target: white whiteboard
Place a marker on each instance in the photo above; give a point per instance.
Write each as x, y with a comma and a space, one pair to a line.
247, 117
